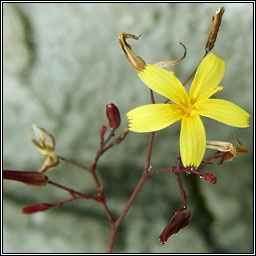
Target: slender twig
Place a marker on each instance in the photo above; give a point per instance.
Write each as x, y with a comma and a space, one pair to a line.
74, 163
194, 71
102, 200
152, 96
189, 77
92, 169
60, 203
149, 152
125, 210
136, 189
72, 192
112, 133
182, 191
100, 152
151, 138
171, 169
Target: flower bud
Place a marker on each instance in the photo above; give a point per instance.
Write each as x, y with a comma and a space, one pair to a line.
103, 129
113, 116
180, 219
36, 208
30, 178
210, 177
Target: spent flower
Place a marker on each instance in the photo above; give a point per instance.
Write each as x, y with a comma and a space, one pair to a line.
225, 150
44, 147
180, 219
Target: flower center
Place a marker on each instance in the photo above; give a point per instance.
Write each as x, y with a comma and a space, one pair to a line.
189, 110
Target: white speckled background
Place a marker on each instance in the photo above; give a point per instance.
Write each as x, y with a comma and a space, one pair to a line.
62, 65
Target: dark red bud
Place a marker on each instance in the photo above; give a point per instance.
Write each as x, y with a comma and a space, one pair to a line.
180, 220
36, 208
103, 129
113, 116
30, 178
210, 177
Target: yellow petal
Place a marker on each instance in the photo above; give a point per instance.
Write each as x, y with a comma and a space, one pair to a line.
153, 117
192, 140
165, 83
208, 76
225, 112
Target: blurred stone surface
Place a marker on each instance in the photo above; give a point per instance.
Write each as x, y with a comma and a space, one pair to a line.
62, 64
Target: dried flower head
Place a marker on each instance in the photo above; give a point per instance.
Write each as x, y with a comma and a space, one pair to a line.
180, 220
45, 144
225, 150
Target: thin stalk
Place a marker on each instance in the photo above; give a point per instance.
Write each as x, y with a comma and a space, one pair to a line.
125, 210
72, 192
74, 163
182, 191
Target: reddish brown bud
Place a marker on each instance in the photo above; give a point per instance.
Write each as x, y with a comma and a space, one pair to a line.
216, 21
210, 177
30, 178
36, 208
113, 116
103, 129
180, 220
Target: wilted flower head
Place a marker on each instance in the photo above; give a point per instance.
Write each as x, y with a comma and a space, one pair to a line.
227, 151
45, 144
180, 220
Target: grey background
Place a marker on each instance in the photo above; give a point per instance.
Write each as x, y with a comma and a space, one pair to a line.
62, 65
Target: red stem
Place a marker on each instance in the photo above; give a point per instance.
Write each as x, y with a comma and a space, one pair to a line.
135, 192
125, 210
74, 163
182, 191
72, 192
60, 203
143, 177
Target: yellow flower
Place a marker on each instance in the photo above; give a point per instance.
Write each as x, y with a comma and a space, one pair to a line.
187, 107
